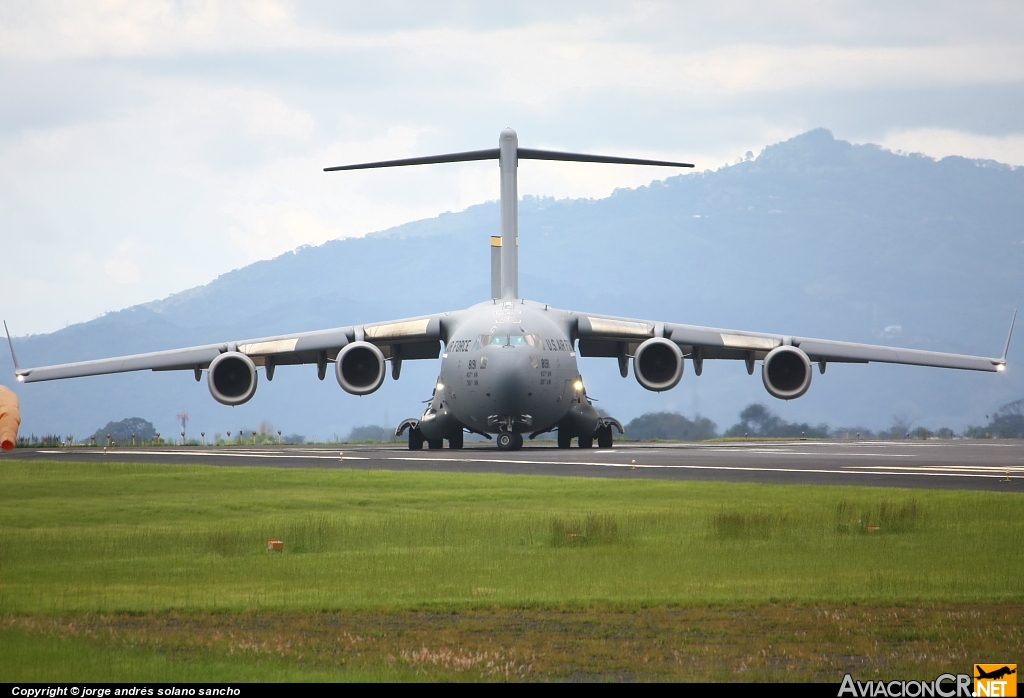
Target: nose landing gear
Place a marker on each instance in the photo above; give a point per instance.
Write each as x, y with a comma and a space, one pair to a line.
510, 441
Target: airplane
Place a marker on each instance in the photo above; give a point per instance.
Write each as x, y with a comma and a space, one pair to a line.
509, 365
994, 674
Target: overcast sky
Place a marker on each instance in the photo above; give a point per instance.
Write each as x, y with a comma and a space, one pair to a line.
147, 146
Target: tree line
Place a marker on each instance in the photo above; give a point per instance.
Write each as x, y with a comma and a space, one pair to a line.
757, 420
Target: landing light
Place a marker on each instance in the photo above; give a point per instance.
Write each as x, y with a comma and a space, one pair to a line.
1000, 367
578, 385
21, 379
440, 386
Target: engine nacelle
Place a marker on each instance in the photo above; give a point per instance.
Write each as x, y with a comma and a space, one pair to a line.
232, 378
658, 364
786, 372
359, 368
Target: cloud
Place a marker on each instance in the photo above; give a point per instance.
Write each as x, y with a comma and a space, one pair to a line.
195, 132
939, 143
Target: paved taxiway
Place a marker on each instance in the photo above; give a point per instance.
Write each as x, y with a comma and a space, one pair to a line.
979, 465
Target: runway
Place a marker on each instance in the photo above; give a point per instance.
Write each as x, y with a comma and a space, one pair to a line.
958, 464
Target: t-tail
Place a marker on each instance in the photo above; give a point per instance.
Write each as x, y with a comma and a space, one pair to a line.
505, 248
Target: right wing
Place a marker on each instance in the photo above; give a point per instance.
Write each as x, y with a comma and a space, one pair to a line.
411, 338
601, 335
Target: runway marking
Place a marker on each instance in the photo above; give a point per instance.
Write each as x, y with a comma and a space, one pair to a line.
961, 471
738, 468
235, 454
996, 469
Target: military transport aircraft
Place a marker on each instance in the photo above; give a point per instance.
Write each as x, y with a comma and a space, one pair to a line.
508, 366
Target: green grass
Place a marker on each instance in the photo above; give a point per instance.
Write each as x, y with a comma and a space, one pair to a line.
46, 657
132, 572
142, 538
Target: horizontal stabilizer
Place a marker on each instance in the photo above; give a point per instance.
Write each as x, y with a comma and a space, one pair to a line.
531, 154
522, 154
467, 156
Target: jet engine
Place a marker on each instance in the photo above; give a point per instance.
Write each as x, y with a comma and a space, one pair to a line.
658, 364
359, 368
232, 378
786, 372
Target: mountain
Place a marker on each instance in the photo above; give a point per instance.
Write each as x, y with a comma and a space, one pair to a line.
814, 237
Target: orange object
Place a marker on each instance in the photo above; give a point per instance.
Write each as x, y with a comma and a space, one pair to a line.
275, 545
10, 418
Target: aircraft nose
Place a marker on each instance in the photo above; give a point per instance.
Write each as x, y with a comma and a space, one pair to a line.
510, 381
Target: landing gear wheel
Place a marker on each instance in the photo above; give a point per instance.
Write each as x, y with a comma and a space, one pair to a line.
564, 439
517, 441
415, 439
434, 444
604, 437
456, 440
586, 442
506, 441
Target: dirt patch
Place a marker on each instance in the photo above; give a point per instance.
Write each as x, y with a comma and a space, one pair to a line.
757, 643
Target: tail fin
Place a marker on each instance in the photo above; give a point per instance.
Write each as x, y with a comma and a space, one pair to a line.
14, 357
1006, 347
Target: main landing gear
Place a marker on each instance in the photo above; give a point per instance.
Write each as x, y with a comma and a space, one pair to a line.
510, 441
603, 436
416, 438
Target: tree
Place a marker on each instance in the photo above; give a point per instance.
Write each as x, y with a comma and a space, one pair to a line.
1006, 423
121, 432
671, 426
758, 420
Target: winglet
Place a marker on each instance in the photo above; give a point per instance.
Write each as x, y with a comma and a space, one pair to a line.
14, 357
1006, 347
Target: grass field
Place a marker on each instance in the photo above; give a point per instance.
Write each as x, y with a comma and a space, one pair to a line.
86, 548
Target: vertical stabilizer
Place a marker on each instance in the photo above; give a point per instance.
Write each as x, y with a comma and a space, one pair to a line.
508, 161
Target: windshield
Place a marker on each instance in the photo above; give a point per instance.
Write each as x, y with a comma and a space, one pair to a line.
504, 340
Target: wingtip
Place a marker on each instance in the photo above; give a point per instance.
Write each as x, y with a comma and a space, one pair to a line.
14, 357
1006, 347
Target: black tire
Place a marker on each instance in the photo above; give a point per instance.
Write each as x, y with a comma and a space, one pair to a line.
604, 437
564, 439
505, 441
517, 441
586, 441
415, 440
434, 444
456, 440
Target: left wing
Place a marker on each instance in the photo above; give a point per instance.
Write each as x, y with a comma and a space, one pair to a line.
411, 338
601, 335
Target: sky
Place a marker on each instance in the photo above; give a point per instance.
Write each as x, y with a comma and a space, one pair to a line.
147, 146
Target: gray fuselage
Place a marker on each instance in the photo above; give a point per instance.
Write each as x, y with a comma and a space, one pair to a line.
508, 366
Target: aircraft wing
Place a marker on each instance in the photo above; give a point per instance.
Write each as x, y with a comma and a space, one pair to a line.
601, 335
410, 338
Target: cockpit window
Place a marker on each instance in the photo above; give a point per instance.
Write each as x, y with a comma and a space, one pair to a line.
505, 340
